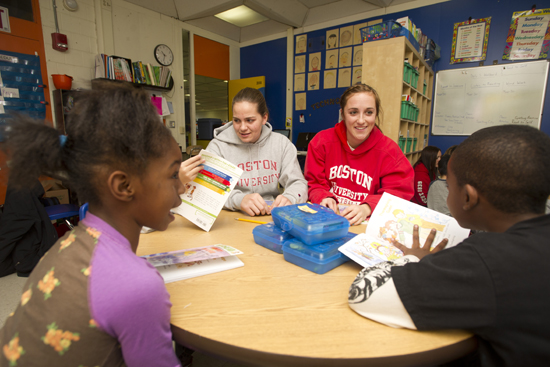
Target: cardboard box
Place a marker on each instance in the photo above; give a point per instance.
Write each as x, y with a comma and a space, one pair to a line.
54, 188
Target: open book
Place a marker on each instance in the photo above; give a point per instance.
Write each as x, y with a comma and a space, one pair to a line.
394, 218
205, 196
194, 262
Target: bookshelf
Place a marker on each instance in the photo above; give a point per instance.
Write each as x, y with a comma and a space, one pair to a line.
138, 85
383, 69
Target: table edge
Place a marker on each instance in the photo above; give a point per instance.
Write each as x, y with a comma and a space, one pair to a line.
258, 358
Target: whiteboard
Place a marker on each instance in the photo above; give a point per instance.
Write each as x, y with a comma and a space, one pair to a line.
467, 100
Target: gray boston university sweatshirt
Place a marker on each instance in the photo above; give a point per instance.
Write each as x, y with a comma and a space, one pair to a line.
269, 161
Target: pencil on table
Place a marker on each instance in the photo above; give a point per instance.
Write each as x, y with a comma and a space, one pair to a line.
250, 220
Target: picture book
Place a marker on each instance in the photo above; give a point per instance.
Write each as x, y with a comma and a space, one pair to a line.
394, 218
175, 272
191, 255
205, 196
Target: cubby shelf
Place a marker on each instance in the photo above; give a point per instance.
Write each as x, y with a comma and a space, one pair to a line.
383, 62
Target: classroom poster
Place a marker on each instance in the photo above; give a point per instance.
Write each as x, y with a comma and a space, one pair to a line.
300, 64
345, 57
301, 43
313, 81
470, 39
330, 79
332, 38
205, 196
346, 36
299, 82
315, 61
529, 35
331, 59
344, 77
357, 75
358, 55
300, 100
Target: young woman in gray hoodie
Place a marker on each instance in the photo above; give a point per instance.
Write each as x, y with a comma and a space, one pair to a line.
267, 159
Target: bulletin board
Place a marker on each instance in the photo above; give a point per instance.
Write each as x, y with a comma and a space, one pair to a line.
467, 100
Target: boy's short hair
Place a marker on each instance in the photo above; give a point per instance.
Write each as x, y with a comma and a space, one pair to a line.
442, 165
509, 165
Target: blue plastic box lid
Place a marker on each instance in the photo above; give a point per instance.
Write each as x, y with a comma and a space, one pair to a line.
311, 223
270, 236
319, 258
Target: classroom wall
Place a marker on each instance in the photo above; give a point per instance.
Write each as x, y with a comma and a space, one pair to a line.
80, 28
269, 59
437, 21
115, 27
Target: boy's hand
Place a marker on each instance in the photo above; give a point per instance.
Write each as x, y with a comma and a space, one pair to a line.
421, 251
254, 204
190, 168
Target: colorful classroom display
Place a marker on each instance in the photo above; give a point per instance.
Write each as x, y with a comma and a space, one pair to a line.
338, 63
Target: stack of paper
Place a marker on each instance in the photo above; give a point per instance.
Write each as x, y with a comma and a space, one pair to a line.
194, 262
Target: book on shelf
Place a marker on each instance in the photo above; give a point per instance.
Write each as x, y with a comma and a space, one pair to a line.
394, 218
194, 262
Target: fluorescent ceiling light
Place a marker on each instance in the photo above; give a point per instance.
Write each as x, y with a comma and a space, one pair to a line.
241, 16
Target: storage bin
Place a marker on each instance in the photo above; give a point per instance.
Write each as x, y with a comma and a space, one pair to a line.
425, 87
319, 258
318, 226
407, 73
414, 78
414, 144
409, 144
405, 109
270, 236
387, 29
401, 144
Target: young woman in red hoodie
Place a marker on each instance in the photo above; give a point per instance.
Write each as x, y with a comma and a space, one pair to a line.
354, 163
425, 171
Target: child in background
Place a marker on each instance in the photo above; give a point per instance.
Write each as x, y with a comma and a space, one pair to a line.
91, 301
494, 284
267, 158
438, 192
425, 171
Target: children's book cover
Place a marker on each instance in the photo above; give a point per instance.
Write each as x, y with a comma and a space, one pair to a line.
205, 196
191, 255
394, 218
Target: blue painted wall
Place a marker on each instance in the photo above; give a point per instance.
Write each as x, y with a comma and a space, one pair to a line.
269, 59
437, 21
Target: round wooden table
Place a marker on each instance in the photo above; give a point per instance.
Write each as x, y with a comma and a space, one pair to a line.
273, 313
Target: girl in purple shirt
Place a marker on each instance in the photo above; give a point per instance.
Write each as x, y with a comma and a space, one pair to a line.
91, 301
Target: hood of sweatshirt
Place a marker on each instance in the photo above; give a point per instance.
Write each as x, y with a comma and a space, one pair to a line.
227, 134
365, 146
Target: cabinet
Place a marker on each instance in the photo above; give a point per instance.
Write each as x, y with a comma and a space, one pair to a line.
383, 69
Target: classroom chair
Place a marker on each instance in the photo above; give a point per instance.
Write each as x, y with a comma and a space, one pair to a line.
63, 211
193, 150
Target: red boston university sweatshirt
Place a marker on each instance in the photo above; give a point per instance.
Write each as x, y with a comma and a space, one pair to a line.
360, 176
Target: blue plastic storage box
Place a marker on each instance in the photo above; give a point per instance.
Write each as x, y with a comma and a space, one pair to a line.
319, 258
387, 29
270, 236
310, 228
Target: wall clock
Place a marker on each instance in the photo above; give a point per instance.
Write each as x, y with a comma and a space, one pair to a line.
164, 55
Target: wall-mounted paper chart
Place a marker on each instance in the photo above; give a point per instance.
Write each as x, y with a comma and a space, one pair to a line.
467, 100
